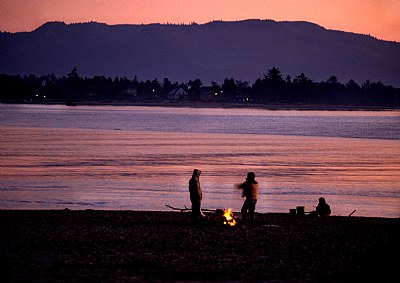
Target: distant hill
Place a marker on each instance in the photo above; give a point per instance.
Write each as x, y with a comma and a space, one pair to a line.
242, 50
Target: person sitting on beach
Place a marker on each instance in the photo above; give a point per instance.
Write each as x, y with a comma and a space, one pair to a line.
196, 195
323, 209
250, 192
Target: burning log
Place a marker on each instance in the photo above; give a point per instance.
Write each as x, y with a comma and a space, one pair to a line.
224, 217
229, 219
218, 216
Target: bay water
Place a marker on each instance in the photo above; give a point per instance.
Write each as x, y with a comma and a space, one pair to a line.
141, 158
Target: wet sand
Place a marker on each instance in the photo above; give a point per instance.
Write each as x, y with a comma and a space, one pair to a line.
143, 246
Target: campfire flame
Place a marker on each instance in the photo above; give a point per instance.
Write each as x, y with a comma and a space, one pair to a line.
229, 220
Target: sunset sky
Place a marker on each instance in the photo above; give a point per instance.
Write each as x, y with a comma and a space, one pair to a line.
379, 18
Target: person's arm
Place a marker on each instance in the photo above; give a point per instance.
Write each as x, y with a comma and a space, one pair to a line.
197, 190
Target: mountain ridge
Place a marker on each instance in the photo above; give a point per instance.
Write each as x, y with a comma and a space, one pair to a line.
243, 50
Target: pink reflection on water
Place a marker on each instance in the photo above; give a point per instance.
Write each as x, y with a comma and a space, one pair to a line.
57, 168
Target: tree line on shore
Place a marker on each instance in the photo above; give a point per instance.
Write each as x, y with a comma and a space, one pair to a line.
272, 88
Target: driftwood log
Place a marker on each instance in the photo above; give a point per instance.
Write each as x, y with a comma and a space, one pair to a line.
189, 209
214, 217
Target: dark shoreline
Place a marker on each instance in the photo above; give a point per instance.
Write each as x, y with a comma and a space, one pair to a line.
300, 107
151, 246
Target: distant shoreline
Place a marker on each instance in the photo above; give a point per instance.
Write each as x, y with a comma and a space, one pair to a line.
271, 107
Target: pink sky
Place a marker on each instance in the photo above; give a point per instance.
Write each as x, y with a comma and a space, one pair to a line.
379, 18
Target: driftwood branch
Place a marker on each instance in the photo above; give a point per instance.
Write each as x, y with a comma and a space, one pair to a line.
188, 209
180, 209
352, 213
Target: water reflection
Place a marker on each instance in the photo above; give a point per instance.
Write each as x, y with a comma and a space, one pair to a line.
144, 170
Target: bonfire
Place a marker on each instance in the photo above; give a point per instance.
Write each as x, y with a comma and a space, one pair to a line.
218, 216
228, 217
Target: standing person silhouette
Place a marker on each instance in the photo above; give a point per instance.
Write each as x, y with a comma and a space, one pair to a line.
196, 195
250, 192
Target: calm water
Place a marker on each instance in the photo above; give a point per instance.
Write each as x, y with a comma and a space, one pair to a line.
141, 158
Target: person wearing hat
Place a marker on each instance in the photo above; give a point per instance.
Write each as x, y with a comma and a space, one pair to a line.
250, 192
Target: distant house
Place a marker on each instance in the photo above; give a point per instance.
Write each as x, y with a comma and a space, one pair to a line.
178, 94
130, 93
207, 94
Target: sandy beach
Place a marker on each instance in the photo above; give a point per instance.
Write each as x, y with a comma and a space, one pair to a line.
139, 246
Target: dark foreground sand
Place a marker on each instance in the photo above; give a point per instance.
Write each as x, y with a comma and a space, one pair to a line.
131, 246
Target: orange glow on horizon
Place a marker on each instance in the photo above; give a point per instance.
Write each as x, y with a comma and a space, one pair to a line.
375, 17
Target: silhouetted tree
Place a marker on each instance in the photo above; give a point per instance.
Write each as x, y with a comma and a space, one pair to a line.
167, 86
216, 92
11, 88
229, 90
74, 86
303, 89
193, 88
73, 75
244, 91
331, 91
272, 88
155, 90
353, 93
273, 77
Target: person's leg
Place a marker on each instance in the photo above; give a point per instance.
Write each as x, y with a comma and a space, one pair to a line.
244, 212
195, 210
252, 208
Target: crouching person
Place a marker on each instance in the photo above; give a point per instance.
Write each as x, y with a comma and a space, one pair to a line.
322, 210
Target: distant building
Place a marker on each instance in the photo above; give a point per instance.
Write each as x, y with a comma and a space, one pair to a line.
207, 94
178, 94
130, 93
